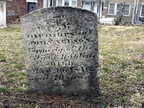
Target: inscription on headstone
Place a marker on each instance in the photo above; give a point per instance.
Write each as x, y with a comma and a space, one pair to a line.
61, 49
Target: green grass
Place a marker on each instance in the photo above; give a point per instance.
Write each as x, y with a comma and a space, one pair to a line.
121, 58
4, 90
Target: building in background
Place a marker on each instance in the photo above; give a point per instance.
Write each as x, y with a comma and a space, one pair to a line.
133, 11
92, 5
22, 7
106, 10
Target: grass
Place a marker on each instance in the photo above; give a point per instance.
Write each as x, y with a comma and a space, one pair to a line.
122, 63
12, 56
4, 90
121, 54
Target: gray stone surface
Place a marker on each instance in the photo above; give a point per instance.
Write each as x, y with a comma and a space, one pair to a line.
61, 48
2, 14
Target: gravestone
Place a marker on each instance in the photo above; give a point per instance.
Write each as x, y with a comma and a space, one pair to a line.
2, 14
61, 49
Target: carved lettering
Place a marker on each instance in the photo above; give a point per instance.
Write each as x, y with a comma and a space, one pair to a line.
61, 48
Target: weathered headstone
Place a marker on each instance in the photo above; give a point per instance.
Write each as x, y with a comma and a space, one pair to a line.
2, 14
61, 48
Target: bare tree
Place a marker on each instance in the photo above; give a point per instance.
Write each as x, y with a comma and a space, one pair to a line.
119, 14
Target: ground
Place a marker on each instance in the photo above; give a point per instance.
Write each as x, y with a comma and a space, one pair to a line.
121, 72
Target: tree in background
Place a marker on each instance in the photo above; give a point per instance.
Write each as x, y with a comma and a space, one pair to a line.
119, 14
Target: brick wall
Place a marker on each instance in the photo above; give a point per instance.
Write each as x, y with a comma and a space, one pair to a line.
20, 7
12, 8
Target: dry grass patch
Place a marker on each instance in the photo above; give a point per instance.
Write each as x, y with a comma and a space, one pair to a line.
122, 63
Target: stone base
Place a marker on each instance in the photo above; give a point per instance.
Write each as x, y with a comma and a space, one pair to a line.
4, 26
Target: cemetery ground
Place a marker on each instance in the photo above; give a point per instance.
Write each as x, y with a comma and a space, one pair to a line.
121, 58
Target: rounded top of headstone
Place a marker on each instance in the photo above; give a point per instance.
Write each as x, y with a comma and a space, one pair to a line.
60, 9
